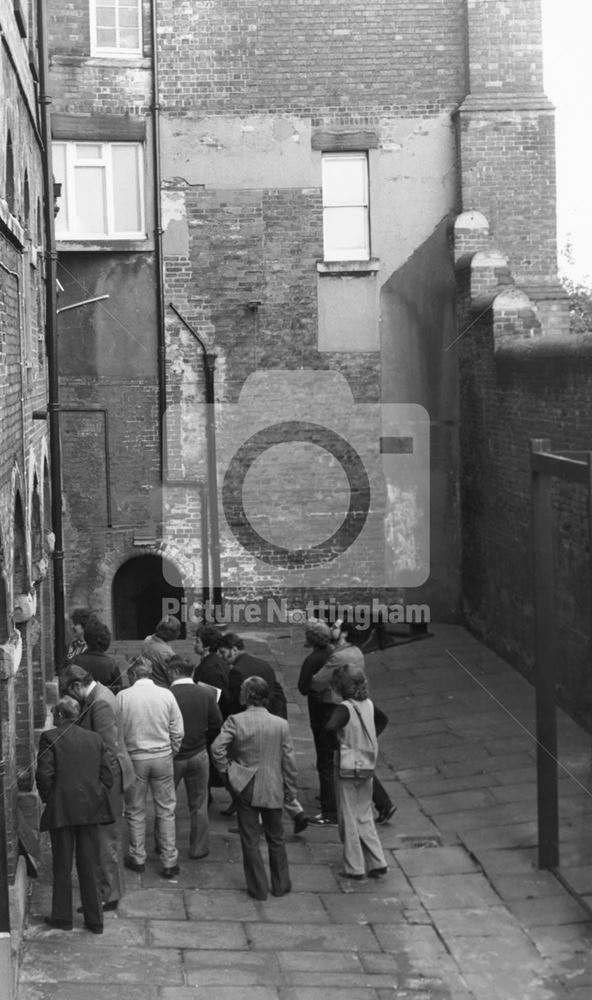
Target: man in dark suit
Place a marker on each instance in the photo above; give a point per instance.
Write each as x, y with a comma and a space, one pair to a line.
212, 668
254, 754
73, 775
242, 666
98, 708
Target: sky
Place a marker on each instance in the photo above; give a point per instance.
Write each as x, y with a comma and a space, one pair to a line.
567, 41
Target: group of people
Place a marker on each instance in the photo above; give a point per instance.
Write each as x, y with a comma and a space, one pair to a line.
221, 721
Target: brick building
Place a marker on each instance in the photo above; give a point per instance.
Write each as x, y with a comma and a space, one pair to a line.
301, 189
25, 515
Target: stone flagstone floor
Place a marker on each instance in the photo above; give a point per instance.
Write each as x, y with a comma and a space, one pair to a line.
463, 913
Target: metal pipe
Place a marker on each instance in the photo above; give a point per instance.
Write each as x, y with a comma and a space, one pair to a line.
51, 340
158, 253
209, 365
85, 302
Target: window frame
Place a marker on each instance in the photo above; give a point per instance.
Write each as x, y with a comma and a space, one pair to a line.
113, 52
68, 196
361, 254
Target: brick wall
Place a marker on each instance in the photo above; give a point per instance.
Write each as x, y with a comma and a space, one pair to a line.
537, 390
352, 58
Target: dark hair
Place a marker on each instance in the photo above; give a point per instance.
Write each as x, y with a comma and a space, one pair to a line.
97, 634
255, 691
350, 682
168, 628
75, 674
80, 616
230, 640
210, 636
178, 664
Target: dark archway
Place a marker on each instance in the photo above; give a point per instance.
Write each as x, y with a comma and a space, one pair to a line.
140, 587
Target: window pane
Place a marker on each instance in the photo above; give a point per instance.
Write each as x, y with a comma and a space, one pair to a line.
59, 173
106, 38
85, 151
128, 17
126, 189
128, 38
345, 234
89, 193
105, 17
345, 180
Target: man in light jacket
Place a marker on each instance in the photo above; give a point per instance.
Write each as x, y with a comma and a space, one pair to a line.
255, 756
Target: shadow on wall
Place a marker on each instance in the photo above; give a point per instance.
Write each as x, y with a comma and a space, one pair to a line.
139, 588
419, 365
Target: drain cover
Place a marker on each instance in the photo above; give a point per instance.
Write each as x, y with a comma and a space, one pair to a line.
418, 842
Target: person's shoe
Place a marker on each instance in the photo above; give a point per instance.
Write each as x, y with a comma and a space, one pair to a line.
377, 872
282, 892
170, 872
58, 925
300, 823
94, 928
110, 906
320, 820
385, 814
356, 878
134, 866
230, 811
196, 857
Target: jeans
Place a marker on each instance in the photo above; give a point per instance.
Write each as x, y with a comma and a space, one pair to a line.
194, 772
157, 774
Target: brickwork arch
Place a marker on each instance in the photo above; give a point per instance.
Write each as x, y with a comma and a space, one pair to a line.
141, 588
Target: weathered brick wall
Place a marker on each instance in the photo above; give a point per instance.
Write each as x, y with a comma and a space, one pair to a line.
356, 59
23, 443
541, 390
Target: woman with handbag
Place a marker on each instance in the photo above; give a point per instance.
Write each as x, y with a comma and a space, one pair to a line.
355, 723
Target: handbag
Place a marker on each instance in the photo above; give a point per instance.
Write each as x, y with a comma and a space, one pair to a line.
358, 762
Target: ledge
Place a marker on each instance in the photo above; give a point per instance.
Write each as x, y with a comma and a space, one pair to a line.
357, 267
104, 246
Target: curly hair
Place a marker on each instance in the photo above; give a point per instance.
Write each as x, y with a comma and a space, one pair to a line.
350, 682
80, 616
97, 634
210, 636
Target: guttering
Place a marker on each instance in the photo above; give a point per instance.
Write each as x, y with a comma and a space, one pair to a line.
51, 341
158, 254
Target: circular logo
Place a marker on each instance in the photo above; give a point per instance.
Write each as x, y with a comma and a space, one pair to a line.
285, 433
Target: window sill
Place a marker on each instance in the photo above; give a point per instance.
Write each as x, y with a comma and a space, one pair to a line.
107, 245
338, 267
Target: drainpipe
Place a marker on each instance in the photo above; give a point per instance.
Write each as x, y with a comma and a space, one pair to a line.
209, 367
51, 339
158, 254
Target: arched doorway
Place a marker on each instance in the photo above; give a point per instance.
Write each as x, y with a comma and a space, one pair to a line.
140, 587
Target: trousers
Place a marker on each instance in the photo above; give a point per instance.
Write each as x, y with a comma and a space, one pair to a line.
194, 772
249, 829
83, 842
157, 775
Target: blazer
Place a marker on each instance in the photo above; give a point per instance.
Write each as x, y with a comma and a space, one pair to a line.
99, 715
256, 744
73, 777
245, 666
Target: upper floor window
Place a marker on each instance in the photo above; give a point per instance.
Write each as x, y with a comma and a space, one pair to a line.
102, 193
346, 224
116, 27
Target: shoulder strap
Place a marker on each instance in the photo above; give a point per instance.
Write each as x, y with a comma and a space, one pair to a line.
361, 718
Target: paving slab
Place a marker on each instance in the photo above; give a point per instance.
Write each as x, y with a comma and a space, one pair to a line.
231, 968
311, 937
220, 993
361, 908
492, 921
168, 903
219, 904
85, 958
194, 934
452, 860
450, 892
